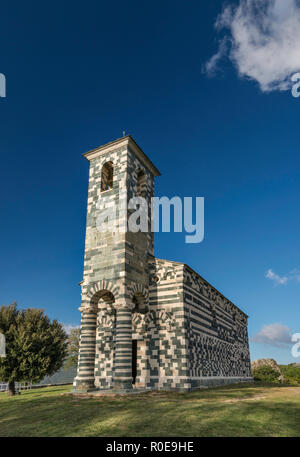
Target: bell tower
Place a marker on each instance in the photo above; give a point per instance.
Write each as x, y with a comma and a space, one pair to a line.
116, 273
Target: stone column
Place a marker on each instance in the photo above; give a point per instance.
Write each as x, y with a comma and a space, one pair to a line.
123, 348
85, 379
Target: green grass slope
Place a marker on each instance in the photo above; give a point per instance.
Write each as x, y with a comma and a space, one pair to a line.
238, 410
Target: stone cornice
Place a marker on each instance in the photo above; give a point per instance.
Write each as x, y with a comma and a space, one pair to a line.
129, 142
187, 267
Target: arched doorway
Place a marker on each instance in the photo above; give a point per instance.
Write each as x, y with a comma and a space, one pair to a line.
105, 339
97, 328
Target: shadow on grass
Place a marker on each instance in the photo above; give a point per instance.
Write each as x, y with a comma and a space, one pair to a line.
234, 391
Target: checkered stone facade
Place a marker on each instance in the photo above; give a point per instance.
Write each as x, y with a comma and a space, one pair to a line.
187, 334
216, 333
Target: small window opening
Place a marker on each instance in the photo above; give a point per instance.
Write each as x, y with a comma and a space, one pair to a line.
141, 184
139, 302
107, 174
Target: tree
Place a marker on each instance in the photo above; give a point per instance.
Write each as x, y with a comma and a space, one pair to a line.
73, 348
35, 346
266, 373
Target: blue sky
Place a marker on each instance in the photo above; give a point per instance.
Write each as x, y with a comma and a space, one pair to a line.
78, 74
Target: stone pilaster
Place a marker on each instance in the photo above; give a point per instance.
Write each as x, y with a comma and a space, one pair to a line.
123, 348
85, 379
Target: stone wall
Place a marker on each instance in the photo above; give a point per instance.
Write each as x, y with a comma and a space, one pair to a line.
216, 332
169, 346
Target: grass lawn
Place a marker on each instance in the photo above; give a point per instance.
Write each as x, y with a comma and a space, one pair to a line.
238, 410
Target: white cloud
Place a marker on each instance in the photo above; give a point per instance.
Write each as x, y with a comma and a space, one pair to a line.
263, 39
69, 327
293, 275
211, 66
274, 334
276, 278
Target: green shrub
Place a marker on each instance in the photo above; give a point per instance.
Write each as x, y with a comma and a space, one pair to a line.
266, 373
290, 373
35, 346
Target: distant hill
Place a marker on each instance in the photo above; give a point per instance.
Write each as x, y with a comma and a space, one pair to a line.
261, 373
288, 373
61, 377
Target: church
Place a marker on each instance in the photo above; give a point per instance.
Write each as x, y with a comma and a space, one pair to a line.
147, 323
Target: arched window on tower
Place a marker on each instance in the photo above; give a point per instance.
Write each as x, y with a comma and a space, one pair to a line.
141, 184
107, 175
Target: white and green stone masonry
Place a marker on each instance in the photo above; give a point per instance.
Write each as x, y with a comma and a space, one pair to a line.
146, 322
